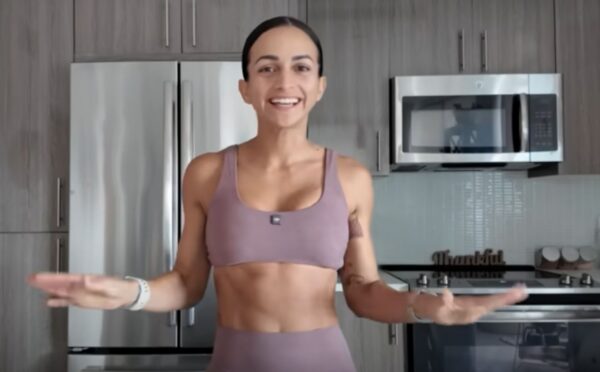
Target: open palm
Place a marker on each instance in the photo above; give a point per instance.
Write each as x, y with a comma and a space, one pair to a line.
88, 291
469, 309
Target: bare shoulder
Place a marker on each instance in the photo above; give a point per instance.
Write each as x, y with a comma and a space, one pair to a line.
202, 176
355, 179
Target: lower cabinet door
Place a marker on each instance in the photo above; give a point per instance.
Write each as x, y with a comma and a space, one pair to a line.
33, 337
375, 347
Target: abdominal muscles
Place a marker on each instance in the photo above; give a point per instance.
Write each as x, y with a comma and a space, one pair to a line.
275, 297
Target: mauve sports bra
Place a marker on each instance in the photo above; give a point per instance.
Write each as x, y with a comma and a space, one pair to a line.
315, 235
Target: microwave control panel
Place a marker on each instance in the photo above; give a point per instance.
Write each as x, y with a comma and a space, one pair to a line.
543, 129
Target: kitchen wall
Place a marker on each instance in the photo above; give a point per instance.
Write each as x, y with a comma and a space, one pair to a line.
416, 214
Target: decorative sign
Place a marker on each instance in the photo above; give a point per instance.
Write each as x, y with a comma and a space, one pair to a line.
487, 258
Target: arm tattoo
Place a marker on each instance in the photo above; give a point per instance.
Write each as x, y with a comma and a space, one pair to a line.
349, 277
354, 228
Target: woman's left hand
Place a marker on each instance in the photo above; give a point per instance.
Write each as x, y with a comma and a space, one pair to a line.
448, 309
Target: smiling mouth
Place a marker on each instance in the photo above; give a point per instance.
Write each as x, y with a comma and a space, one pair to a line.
285, 101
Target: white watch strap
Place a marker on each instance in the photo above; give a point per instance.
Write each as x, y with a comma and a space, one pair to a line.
143, 294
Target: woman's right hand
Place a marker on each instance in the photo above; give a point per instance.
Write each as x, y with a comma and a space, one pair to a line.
87, 291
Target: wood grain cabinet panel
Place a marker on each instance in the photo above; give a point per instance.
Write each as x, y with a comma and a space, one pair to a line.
127, 29
33, 336
222, 26
578, 60
513, 36
352, 117
36, 44
370, 343
430, 37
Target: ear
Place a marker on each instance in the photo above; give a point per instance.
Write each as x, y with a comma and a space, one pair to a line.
243, 88
322, 87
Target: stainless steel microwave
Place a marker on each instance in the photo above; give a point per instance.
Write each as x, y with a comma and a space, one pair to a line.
457, 122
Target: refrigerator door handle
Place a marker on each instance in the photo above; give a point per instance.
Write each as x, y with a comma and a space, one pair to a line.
170, 185
191, 316
187, 135
168, 176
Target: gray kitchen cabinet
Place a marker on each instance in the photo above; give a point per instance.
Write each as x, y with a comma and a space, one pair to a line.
513, 36
374, 346
127, 29
36, 44
352, 117
351, 328
210, 26
431, 37
383, 346
578, 60
33, 336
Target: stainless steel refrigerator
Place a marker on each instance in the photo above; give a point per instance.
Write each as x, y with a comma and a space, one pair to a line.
134, 128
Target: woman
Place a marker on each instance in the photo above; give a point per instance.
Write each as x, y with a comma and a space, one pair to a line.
278, 218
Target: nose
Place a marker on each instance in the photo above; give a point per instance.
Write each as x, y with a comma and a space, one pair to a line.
285, 78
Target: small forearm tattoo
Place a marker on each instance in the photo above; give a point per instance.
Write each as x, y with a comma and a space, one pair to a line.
354, 228
349, 277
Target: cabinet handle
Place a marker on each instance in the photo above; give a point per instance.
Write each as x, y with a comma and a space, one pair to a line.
167, 36
58, 254
484, 56
378, 151
194, 23
59, 215
393, 334
461, 51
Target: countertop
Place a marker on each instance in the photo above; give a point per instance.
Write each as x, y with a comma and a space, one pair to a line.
392, 281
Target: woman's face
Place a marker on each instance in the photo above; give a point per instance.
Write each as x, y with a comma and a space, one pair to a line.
283, 77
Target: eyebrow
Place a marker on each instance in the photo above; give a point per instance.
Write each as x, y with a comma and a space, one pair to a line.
272, 57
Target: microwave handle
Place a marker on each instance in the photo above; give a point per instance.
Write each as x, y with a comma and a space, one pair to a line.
524, 122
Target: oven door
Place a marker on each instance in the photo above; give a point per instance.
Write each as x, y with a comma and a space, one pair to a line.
517, 338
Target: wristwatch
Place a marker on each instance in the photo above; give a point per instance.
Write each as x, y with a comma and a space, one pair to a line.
143, 294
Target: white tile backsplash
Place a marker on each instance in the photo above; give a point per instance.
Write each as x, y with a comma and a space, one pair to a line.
416, 214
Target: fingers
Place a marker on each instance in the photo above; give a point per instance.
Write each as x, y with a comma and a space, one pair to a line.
58, 302
512, 296
49, 281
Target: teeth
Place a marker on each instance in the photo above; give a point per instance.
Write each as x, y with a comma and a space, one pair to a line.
285, 101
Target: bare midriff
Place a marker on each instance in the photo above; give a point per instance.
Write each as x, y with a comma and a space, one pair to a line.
275, 297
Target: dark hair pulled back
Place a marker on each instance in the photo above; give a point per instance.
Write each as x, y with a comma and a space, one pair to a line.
279, 22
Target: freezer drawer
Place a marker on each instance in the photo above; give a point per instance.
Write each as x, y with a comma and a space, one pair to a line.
139, 363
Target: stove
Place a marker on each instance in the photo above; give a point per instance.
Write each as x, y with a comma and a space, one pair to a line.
554, 329
489, 280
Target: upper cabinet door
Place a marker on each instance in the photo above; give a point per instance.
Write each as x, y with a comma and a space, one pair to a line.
430, 37
352, 117
578, 60
125, 29
222, 26
36, 49
513, 36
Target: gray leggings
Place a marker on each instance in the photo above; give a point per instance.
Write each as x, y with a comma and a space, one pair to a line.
323, 350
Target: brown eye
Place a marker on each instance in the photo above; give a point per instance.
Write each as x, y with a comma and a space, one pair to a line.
303, 68
266, 69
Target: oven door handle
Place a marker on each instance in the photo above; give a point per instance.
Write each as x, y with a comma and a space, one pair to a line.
543, 313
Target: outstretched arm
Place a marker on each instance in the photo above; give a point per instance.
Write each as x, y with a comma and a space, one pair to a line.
179, 288
368, 296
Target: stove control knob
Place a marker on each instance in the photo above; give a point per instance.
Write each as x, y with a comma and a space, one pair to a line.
566, 280
443, 281
586, 279
423, 280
